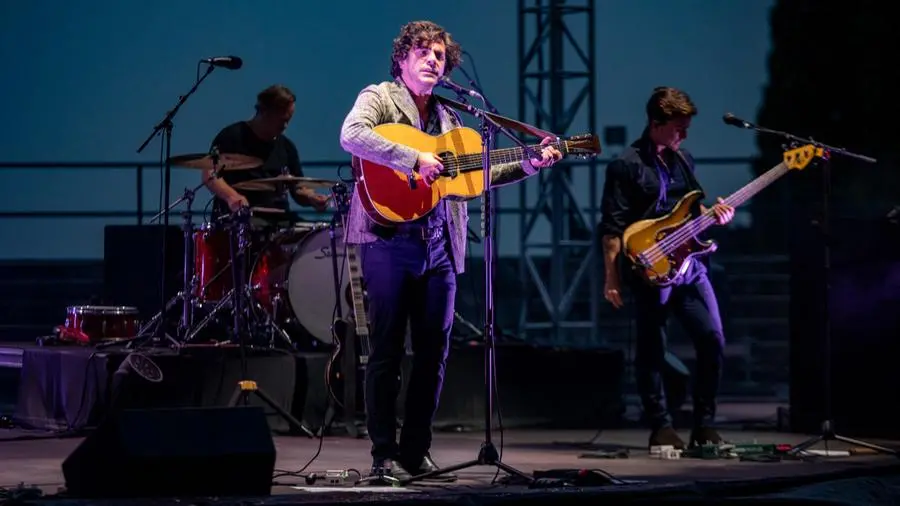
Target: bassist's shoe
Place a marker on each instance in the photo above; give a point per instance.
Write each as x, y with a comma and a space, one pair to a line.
704, 436
666, 436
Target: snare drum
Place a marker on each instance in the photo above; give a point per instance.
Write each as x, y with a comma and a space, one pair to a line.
296, 284
92, 324
212, 263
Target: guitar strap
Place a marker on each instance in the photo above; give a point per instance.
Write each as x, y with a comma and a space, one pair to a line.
503, 121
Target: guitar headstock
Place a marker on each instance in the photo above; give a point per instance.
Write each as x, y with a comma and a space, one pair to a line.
800, 158
583, 146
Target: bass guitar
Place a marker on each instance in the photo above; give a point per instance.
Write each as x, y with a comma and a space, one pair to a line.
390, 197
660, 249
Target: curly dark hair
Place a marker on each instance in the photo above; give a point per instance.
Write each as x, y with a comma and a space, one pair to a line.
419, 33
666, 104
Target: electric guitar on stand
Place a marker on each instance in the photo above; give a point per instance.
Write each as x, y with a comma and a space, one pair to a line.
391, 196
660, 249
345, 365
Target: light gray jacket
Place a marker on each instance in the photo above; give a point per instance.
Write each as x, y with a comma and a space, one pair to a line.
391, 102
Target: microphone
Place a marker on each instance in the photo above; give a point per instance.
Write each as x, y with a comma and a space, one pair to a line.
445, 82
214, 154
228, 62
731, 119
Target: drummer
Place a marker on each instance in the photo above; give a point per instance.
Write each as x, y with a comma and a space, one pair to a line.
262, 137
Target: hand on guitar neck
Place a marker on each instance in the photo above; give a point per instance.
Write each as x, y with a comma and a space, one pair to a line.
723, 212
430, 165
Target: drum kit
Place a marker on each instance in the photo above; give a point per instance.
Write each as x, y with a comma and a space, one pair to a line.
276, 278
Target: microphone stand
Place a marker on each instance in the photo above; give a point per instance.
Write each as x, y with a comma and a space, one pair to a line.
239, 242
488, 454
166, 126
828, 433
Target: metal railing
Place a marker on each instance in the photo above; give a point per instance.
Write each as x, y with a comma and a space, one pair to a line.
141, 168
330, 169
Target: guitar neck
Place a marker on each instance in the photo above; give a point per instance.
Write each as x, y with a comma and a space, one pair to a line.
706, 220
359, 306
472, 161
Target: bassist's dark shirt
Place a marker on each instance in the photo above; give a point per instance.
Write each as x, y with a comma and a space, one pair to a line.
639, 187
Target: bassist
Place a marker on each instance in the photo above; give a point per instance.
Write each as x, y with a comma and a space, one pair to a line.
645, 182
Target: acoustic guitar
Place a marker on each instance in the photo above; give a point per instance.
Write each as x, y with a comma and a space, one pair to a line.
389, 197
659, 249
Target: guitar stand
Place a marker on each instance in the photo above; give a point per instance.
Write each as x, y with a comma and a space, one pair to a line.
348, 364
246, 387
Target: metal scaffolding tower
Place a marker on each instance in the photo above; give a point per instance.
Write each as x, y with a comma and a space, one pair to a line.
556, 306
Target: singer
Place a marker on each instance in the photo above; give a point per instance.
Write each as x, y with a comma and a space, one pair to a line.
645, 182
410, 270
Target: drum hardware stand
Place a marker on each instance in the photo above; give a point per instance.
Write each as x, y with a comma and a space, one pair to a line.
166, 126
487, 454
828, 433
246, 387
186, 295
269, 320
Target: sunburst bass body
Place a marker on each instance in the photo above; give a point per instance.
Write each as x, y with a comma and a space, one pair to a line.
641, 244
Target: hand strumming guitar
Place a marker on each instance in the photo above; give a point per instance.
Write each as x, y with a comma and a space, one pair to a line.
429, 166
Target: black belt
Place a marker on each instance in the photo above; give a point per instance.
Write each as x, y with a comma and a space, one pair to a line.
409, 232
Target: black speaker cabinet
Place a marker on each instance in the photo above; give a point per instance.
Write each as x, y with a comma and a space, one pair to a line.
132, 266
862, 312
174, 452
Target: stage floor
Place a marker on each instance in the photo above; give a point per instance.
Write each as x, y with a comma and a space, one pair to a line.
35, 459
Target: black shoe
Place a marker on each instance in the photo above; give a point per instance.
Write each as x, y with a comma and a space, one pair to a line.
385, 472
427, 465
704, 436
666, 436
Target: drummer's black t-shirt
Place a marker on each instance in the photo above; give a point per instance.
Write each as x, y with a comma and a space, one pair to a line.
279, 157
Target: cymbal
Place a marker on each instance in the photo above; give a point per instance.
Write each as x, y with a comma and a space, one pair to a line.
227, 161
268, 184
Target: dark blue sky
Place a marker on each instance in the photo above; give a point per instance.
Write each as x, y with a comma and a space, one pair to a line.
87, 81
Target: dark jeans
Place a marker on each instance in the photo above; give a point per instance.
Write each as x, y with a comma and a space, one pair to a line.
693, 303
407, 279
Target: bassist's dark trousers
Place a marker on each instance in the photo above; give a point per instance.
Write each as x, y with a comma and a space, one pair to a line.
408, 277
693, 302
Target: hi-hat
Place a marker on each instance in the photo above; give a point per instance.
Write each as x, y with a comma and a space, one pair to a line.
226, 161
270, 183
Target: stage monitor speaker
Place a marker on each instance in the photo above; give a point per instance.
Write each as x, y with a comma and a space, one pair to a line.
221, 451
863, 313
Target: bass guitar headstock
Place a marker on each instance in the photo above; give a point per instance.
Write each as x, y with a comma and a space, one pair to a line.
800, 158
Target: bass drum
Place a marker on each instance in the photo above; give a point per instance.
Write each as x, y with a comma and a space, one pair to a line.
305, 278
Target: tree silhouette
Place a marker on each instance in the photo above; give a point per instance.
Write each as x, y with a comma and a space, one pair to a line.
830, 70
